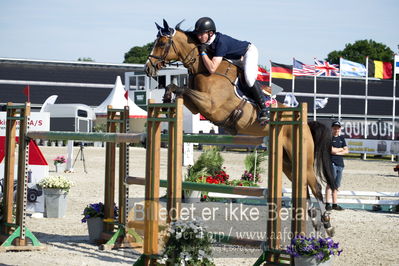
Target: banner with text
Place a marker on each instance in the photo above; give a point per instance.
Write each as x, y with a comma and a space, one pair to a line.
376, 129
373, 146
39, 121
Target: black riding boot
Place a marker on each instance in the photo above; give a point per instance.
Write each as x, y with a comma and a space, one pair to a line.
260, 99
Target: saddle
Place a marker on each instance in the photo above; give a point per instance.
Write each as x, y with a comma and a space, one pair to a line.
242, 91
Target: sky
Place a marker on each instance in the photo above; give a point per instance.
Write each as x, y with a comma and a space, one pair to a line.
105, 30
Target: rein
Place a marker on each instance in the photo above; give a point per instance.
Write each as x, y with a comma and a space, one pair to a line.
188, 61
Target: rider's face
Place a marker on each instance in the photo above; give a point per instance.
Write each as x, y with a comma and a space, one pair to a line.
203, 37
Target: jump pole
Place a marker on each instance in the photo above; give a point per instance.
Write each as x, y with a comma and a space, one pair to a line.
13, 236
115, 118
281, 118
158, 113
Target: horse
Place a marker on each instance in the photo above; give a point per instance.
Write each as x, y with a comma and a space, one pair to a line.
212, 95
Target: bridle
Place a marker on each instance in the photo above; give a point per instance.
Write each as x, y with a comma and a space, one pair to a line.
187, 61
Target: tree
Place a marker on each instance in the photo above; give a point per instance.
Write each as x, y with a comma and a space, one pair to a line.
138, 54
358, 51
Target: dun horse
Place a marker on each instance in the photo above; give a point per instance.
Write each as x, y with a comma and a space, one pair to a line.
213, 96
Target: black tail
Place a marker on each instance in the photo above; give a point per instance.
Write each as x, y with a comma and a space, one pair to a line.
322, 152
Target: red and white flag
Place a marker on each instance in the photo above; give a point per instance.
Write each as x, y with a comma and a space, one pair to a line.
263, 75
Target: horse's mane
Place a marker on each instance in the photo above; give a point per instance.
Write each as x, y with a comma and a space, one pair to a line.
190, 34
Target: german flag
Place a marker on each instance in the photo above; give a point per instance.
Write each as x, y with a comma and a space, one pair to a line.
379, 69
281, 71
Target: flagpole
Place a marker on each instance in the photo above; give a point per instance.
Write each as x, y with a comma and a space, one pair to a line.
339, 89
293, 76
365, 99
270, 79
395, 70
314, 90
28, 93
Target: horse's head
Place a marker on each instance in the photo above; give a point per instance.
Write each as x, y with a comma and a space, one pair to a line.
163, 51
167, 49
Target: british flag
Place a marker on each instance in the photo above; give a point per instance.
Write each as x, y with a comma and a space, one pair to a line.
326, 69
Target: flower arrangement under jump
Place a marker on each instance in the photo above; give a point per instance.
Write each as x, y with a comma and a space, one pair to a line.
96, 210
320, 248
58, 182
187, 243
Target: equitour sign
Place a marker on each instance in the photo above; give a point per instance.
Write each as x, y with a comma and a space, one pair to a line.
377, 129
376, 138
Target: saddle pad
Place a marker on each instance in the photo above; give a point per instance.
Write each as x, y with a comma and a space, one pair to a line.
241, 92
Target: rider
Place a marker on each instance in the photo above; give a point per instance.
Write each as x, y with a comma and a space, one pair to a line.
225, 46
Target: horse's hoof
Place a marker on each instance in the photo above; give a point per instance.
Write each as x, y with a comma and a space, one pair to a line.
326, 215
312, 212
330, 231
316, 224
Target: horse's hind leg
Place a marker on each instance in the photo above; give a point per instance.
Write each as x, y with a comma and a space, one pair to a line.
312, 212
316, 190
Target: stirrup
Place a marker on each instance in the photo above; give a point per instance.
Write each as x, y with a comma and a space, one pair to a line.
264, 116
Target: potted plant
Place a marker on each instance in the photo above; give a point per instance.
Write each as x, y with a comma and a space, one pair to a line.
187, 243
55, 190
193, 196
59, 161
253, 167
93, 214
312, 250
208, 164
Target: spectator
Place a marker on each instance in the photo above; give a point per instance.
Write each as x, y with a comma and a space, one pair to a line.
338, 149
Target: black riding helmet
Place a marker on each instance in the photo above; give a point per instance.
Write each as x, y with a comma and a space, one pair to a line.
204, 24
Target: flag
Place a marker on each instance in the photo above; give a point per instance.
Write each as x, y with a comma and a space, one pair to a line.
26, 91
321, 103
281, 71
349, 68
290, 100
301, 69
126, 95
396, 65
379, 69
263, 75
323, 68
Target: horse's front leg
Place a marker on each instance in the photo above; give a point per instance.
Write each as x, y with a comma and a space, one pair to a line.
167, 97
180, 92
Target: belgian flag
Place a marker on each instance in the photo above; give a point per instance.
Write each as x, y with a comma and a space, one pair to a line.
281, 71
379, 69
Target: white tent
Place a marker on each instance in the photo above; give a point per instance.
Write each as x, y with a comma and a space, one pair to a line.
117, 100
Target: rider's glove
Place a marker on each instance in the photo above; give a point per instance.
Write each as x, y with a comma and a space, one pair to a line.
202, 48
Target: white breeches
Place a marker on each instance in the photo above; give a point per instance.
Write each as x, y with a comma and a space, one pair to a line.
250, 62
